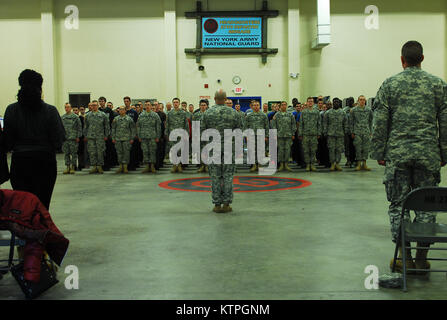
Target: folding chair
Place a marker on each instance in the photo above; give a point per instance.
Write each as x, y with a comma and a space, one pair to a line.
11, 243
428, 199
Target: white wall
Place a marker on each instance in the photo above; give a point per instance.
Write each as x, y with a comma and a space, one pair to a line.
255, 75
120, 49
117, 50
20, 45
358, 60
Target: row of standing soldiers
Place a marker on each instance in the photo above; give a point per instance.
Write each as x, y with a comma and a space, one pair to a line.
125, 139
347, 129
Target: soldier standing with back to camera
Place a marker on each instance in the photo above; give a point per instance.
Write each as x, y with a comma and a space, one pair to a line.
220, 117
410, 139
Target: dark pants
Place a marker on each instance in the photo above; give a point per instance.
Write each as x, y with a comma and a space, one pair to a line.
110, 157
134, 162
323, 152
161, 153
34, 173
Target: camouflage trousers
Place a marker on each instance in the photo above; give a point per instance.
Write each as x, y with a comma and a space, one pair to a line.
70, 150
310, 145
284, 147
149, 148
336, 146
96, 149
123, 151
403, 176
222, 183
361, 145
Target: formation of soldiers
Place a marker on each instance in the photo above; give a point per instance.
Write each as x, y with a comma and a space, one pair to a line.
139, 134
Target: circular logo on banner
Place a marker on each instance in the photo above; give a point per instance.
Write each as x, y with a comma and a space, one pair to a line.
211, 25
240, 184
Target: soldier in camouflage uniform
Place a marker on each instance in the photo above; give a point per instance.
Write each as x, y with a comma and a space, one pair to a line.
410, 139
123, 133
176, 119
257, 120
334, 127
198, 116
241, 114
149, 133
220, 117
360, 124
96, 131
309, 132
73, 131
285, 124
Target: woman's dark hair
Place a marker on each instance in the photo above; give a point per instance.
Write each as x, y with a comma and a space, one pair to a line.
30, 93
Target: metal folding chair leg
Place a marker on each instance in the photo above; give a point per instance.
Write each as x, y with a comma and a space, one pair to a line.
11, 250
404, 256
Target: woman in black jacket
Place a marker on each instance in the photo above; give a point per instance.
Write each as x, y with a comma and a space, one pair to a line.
33, 131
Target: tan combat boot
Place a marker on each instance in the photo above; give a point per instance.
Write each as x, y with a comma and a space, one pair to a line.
179, 168
281, 167
332, 167
67, 171
286, 166
206, 168
312, 168
226, 208
125, 168
201, 169
421, 259
100, 170
146, 169
217, 208
72, 169
174, 168
93, 170
365, 167
359, 166
337, 167
308, 167
253, 168
399, 263
120, 169
152, 168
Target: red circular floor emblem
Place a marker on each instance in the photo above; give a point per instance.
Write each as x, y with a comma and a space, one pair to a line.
240, 184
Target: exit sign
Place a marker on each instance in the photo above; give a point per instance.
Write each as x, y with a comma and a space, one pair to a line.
238, 90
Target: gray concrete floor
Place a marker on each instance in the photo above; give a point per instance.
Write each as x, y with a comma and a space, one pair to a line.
131, 239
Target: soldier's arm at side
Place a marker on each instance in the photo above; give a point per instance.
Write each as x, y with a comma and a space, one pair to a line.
381, 121
78, 129
442, 124
113, 130
157, 128
133, 129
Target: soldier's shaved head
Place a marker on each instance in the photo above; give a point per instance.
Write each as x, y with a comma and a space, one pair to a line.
220, 96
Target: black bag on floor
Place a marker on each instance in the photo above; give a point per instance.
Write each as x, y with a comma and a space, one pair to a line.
32, 289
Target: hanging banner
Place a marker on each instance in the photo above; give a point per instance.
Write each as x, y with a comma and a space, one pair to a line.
227, 32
